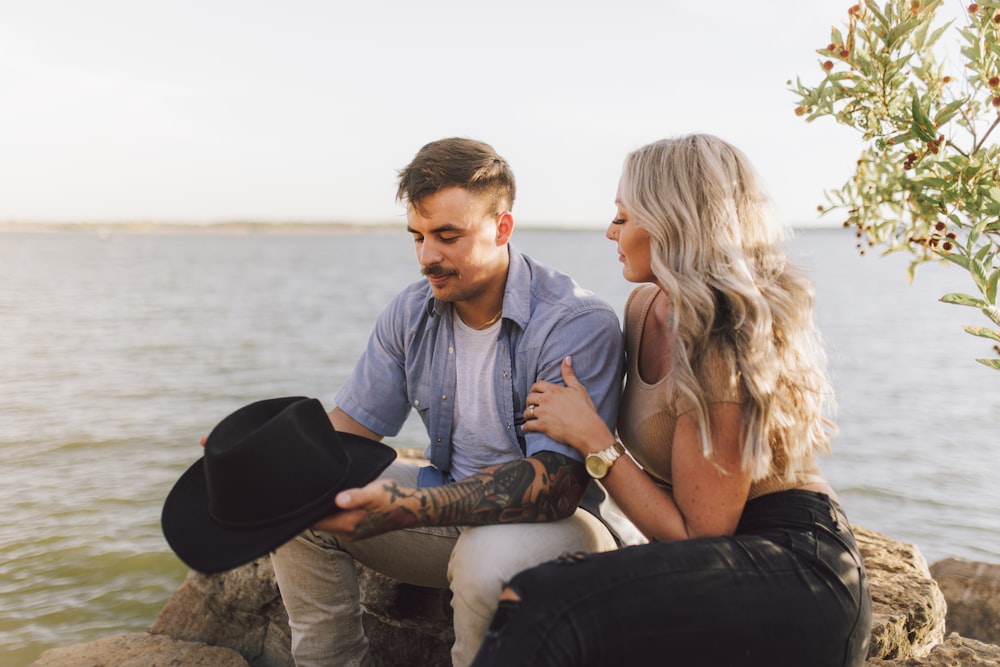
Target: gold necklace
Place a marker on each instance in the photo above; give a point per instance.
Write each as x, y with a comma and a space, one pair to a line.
491, 321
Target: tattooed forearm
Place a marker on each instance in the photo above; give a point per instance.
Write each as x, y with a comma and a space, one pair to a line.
453, 504
542, 487
545, 487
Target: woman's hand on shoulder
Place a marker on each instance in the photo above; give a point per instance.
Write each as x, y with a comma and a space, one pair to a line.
566, 413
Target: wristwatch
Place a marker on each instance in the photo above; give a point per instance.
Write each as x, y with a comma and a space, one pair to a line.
599, 463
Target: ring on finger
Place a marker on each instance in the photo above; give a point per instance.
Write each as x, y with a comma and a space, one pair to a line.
531, 411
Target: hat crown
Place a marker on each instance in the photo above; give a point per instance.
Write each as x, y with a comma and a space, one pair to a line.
271, 460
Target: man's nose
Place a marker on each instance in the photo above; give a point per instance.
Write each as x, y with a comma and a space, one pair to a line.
428, 253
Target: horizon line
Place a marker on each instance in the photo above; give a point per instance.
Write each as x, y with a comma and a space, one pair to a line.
264, 226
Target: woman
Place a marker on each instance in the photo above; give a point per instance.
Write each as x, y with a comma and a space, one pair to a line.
751, 560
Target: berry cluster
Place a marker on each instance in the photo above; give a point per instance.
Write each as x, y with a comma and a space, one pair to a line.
937, 239
933, 147
944, 241
974, 7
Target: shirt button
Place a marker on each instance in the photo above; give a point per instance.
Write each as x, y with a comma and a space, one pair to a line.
444, 397
451, 350
439, 439
416, 403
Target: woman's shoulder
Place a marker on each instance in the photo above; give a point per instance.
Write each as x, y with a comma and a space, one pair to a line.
640, 297
636, 307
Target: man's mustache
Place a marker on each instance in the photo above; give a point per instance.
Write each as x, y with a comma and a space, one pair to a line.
436, 271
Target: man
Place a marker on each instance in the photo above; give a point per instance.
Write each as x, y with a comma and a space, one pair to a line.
461, 347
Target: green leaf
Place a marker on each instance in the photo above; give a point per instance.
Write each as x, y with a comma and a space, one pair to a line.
836, 77
879, 16
922, 124
900, 139
992, 312
936, 35
920, 36
978, 272
954, 258
934, 182
948, 111
964, 300
992, 363
901, 32
983, 332
974, 235
991, 286
983, 252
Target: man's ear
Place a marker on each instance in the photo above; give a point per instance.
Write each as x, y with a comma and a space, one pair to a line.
505, 226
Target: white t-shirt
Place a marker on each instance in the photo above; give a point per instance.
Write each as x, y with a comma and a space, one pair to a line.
479, 439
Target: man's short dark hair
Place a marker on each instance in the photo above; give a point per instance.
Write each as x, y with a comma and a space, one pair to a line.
457, 162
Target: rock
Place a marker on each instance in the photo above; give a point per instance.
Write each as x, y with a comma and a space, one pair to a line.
240, 609
972, 591
908, 609
140, 650
406, 624
956, 651
410, 625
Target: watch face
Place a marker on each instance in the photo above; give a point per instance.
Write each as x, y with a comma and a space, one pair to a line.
596, 466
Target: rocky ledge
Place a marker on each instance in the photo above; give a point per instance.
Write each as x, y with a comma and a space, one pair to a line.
237, 618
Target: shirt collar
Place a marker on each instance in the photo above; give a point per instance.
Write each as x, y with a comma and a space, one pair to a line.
516, 296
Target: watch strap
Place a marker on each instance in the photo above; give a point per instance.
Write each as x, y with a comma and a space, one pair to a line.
612, 453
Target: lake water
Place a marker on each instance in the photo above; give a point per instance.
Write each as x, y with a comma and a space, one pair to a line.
119, 351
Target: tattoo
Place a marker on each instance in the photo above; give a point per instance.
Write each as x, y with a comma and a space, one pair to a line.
400, 515
544, 487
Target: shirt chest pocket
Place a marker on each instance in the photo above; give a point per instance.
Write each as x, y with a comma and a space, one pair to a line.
420, 397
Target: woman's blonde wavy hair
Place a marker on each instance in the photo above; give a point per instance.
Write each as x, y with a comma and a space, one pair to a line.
717, 253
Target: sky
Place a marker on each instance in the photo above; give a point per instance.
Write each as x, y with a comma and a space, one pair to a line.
303, 111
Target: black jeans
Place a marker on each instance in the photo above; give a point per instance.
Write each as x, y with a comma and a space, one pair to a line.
788, 588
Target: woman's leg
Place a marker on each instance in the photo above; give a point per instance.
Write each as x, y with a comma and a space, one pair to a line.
790, 597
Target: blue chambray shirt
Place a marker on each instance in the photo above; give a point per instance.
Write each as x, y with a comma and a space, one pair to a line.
409, 363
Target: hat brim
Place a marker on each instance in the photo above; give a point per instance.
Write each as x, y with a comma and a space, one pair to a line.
207, 546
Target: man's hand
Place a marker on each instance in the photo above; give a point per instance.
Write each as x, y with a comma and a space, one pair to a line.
380, 507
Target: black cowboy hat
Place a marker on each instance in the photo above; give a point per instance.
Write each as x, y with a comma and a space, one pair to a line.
270, 470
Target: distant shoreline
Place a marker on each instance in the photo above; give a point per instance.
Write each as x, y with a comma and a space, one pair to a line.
199, 228
107, 228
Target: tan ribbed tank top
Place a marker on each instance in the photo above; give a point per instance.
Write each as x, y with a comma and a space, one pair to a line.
648, 412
